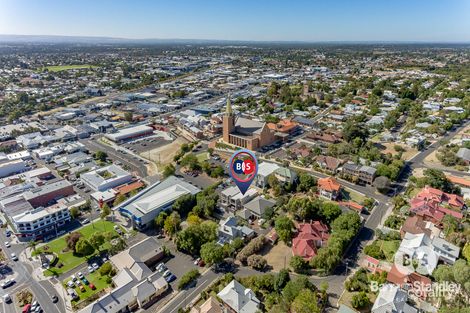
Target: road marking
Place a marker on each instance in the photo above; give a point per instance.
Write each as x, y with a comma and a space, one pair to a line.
186, 296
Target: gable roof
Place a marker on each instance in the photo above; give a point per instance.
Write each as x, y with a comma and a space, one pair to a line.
239, 298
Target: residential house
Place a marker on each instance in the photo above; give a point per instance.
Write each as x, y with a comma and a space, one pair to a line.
232, 199
428, 251
238, 299
328, 163
413, 282
310, 237
392, 299
136, 285
211, 305
433, 204
361, 173
464, 154
256, 208
229, 230
329, 188
417, 225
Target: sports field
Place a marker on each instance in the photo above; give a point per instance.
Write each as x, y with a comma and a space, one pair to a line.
58, 68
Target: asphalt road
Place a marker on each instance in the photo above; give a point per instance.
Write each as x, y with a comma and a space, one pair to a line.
42, 291
133, 163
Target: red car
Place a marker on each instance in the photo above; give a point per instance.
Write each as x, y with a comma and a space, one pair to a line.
92, 286
26, 308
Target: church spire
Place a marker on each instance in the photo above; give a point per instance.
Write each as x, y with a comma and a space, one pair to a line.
228, 109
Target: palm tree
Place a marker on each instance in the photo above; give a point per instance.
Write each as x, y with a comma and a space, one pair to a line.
32, 244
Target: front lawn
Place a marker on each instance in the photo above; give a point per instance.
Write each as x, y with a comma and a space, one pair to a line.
348, 194
67, 259
389, 248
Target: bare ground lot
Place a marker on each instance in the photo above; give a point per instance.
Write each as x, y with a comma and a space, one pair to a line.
163, 155
278, 256
408, 154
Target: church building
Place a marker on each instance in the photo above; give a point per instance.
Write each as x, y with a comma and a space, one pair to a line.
245, 133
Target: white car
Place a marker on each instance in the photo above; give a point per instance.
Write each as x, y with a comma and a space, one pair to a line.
14, 257
73, 278
167, 273
80, 275
6, 298
70, 284
90, 269
7, 244
196, 262
7, 283
95, 266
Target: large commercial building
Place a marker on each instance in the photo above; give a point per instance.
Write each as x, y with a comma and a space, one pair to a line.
42, 220
46, 194
143, 208
106, 178
130, 133
245, 133
9, 167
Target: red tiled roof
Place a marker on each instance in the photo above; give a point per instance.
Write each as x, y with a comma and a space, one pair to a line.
125, 189
309, 237
329, 184
459, 180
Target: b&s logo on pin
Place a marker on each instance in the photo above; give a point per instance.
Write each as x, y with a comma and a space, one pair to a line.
243, 169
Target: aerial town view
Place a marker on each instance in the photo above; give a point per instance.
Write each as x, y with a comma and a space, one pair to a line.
234, 157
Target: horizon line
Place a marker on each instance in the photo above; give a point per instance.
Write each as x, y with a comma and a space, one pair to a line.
238, 40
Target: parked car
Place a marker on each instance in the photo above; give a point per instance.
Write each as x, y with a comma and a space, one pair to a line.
196, 262
54, 299
7, 283
73, 277
170, 278
7, 298
92, 287
14, 257
80, 275
90, 269
95, 266
70, 284
82, 288
85, 281
7, 244
167, 273
86, 221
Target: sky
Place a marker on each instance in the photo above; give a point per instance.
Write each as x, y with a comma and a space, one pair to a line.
265, 20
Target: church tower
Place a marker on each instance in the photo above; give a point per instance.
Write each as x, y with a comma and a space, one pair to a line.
228, 121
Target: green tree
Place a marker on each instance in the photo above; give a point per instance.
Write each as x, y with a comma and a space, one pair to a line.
281, 280
298, 264
306, 182
105, 269
97, 240
188, 278
169, 170
330, 211
184, 204
284, 228
129, 117
172, 224
212, 253
105, 211
160, 220
119, 199
294, 287
190, 161
192, 238
360, 300
305, 302
74, 212
101, 156
72, 239
256, 261
83, 247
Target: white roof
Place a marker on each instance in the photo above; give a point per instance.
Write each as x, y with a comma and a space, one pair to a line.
266, 169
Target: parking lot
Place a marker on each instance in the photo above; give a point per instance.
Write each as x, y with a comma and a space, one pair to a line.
143, 145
